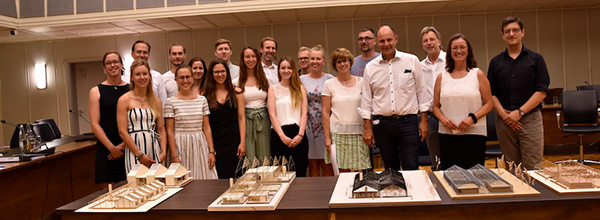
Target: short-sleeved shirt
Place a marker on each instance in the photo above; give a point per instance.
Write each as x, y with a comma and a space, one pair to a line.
513, 81
358, 67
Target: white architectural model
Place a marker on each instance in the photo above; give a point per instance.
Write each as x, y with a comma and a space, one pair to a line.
570, 175
259, 183
143, 185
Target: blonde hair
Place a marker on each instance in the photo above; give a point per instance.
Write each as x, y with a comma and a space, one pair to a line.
154, 105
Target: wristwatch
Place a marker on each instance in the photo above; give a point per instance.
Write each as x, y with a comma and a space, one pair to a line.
521, 112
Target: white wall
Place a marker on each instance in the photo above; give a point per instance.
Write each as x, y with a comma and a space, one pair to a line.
569, 40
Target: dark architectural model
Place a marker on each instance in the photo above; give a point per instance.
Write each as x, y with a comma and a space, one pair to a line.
389, 183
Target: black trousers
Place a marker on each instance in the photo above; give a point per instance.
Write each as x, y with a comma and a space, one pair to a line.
464, 151
398, 140
299, 153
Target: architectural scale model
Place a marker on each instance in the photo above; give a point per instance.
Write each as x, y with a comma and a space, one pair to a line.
389, 183
259, 183
477, 179
570, 175
143, 185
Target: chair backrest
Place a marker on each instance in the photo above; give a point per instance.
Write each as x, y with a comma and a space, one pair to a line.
491, 125
591, 87
44, 130
580, 107
52, 124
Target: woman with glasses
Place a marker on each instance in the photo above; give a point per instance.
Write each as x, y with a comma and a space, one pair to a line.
227, 118
462, 98
188, 128
109, 162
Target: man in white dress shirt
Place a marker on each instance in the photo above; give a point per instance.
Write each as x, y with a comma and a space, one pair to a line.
177, 58
223, 51
433, 65
268, 55
393, 94
141, 50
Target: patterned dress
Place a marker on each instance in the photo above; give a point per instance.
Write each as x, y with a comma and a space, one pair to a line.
142, 129
314, 133
192, 147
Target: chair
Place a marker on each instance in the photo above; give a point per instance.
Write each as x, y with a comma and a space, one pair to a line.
580, 116
492, 148
52, 124
591, 87
44, 130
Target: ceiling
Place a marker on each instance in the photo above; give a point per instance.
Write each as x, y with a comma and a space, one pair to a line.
250, 13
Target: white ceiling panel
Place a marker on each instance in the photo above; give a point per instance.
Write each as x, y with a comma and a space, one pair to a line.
252, 18
342, 12
369, 11
223, 20
312, 14
282, 16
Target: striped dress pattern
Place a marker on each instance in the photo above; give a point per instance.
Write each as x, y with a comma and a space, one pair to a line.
192, 147
142, 129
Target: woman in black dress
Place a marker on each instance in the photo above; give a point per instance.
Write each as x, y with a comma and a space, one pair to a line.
227, 118
110, 166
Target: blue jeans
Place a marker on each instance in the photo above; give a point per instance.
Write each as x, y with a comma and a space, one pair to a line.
398, 140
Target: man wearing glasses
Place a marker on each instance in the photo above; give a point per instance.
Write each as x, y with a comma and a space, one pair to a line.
366, 43
303, 60
519, 82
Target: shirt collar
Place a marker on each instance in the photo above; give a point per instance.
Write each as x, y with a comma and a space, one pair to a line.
398, 56
268, 67
441, 58
524, 51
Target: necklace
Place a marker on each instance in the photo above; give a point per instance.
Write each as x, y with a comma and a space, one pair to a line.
113, 85
345, 82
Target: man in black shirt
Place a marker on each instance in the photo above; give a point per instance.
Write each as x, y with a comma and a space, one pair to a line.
519, 81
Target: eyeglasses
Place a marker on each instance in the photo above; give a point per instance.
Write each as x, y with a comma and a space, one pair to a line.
184, 77
112, 63
220, 72
515, 30
365, 39
459, 48
302, 58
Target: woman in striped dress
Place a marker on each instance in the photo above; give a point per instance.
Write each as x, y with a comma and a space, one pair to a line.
139, 119
188, 128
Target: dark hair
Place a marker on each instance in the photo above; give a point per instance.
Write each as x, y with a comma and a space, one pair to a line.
367, 29
210, 86
511, 19
471, 63
175, 45
138, 42
259, 73
182, 66
109, 53
191, 63
262, 42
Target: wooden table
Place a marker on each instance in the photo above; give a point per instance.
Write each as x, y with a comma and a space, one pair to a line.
308, 198
34, 189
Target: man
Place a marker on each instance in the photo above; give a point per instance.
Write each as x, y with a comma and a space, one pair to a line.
433, 65
393, 93
268, 54
223, 51
366, 43
141, 50
177, 58
303, 60
519, 81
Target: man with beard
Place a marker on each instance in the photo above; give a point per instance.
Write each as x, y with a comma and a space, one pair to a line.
366, 43
176, 57
141, 50
268, 54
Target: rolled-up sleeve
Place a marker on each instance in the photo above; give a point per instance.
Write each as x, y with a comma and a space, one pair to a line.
424, 98
542, 77
366, 101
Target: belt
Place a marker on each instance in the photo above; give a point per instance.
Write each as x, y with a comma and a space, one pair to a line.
393, 117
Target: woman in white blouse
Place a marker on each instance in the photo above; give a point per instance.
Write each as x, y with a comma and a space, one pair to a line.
287, 109
342, 124
462, 98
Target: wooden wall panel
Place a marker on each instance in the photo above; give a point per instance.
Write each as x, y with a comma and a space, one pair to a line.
359, 24
473, 27
186, 39
15, 102
415, 24
551, 45
594, 29
204, 44
529, 20
158, 54
254, 34
237, 38
576, 48
286, 36
399, 24
43, 103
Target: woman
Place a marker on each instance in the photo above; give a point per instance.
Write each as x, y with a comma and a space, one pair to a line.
227, 118
462, 98
254, 85
109, 163
139, 117
188, 129
314, 82
342, 124
287, 110
198, 66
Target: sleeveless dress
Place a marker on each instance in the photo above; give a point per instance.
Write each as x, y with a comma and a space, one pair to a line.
107, 171
192, 147
226, 138
142, 129
314, 131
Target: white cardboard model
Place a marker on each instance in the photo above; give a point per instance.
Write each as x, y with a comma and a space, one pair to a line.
568, 178
177, 175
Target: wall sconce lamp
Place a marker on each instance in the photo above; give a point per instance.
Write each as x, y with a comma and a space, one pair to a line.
40, 75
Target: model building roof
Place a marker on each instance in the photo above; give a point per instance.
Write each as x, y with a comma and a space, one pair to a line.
391, 177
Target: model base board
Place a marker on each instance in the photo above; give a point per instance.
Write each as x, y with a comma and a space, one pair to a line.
143, 208
550, 183
219, 206
419, 187
520, 188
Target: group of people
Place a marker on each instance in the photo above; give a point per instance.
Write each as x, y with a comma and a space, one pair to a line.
208, 117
